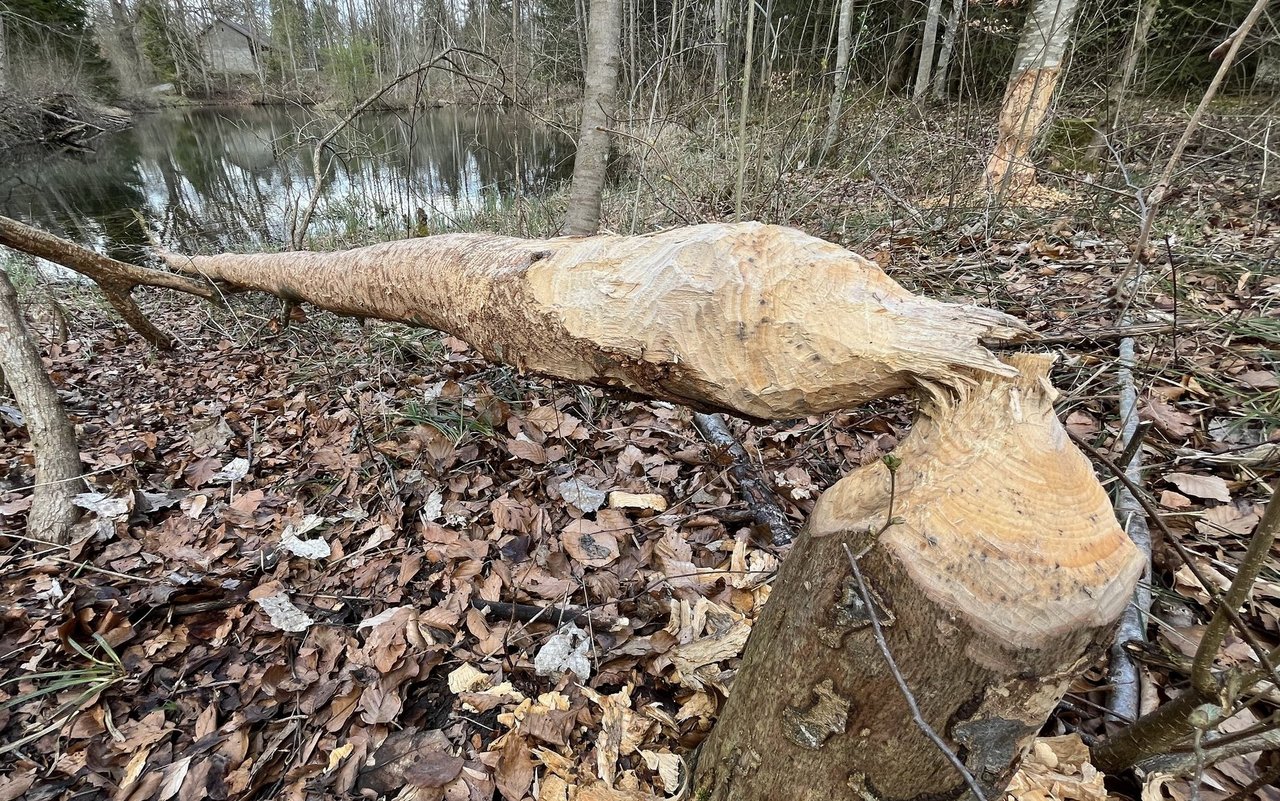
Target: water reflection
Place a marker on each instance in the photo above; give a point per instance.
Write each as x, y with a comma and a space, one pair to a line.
228, 178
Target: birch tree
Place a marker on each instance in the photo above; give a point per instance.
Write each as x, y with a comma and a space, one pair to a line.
948, 47
928, 47
1036, 67
598, 103
843, 32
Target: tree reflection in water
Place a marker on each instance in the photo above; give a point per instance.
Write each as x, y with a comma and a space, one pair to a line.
225, 179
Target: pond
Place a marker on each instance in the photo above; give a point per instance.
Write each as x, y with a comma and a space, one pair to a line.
227, 178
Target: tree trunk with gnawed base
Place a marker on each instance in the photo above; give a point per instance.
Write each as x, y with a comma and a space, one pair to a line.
1045, 38
997, 581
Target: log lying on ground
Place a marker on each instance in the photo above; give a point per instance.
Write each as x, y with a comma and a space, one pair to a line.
999, 580
757, 320
115, 278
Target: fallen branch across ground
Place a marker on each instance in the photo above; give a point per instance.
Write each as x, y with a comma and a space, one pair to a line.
758, 495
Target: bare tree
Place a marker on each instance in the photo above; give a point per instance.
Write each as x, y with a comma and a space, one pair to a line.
598, 103
928, 47
1109, 120
1045, 38
57, 456
843, 31
948, 47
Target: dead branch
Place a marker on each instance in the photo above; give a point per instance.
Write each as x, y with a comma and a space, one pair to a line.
115, 278
758, 495
320, 170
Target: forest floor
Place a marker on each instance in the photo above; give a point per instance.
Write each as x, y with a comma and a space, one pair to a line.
302, 545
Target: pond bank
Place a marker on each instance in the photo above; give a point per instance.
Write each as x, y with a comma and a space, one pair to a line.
60, 121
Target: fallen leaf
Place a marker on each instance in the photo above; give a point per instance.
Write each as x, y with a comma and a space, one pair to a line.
284, 615
565, 652
590, 542
1199, 486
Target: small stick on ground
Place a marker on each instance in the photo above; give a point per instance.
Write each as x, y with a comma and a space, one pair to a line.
1126, 688
758, 496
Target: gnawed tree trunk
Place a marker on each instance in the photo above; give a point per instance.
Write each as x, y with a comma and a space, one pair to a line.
998, 573
604, 53
1045, 38
757, 320
1001, 569
57, 456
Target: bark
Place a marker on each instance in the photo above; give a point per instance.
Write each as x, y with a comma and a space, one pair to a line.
756, 320
998, 571
948, 47
115, 278
1045, 38
57, 457
598, 103
843, 32
928, 47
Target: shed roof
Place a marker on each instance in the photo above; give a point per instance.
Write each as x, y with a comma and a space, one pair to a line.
247, 33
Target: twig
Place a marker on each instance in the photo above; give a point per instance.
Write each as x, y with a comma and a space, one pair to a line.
758, 496
920, 722
1211, 589
528, 613
1166, 177
318, 166
1245, 793
1109, 334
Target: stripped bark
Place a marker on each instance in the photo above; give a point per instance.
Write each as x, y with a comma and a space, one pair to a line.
1045, 38
757, 320
115, 278
57, 457
755, 491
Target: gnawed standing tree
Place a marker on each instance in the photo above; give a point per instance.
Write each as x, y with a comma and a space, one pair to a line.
1036, 67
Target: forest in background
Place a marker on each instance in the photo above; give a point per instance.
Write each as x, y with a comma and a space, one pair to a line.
678, 58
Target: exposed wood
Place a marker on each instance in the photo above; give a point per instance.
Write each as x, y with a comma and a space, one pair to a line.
1045, 38
756, 493
57, 457
998, 574
757, 320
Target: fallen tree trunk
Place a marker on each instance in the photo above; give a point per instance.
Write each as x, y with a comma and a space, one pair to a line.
757, 320
996, 569
996, 566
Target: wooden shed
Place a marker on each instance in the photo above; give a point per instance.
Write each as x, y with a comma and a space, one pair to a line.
231, 49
